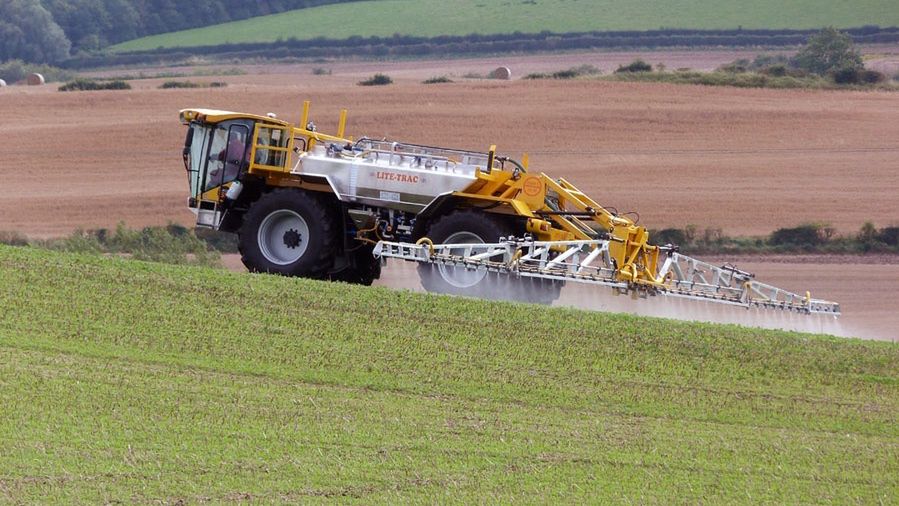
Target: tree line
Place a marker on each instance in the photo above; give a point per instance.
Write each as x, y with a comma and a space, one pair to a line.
76, 31
50, 31
404, 45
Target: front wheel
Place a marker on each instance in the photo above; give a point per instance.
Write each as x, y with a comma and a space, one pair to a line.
289, 232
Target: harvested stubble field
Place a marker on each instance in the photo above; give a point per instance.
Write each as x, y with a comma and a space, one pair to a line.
124, 381
746, 161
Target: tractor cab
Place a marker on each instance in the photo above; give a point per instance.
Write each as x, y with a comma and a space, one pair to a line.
221, 148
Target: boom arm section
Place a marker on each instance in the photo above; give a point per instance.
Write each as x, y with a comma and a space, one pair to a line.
589, 262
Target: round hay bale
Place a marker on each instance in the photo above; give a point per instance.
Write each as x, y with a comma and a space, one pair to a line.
502, 73
35, 79
2, 83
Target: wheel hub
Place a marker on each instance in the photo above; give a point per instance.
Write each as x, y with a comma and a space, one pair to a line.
292, 238
282, 237
461, 277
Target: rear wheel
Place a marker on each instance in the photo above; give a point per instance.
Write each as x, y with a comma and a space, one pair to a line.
288, 232
476, 227
462, 227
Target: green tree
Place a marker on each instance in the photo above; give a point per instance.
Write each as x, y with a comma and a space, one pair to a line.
28, 32
47, 31
829, 50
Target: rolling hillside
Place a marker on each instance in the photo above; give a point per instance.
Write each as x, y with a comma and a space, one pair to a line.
124, 381
430, 18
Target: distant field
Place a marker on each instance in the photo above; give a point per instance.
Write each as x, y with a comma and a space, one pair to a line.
745, 161
129, 382
431, 18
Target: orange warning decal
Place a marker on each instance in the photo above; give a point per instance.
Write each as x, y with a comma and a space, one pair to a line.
532, 186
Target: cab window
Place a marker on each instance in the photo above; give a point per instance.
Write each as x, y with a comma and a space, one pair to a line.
272, 147
197, 146
228, 155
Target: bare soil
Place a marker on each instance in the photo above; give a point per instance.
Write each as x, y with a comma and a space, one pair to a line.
744, 160
864, 259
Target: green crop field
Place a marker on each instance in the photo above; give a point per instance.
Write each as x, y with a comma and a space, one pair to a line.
429, 18
132, 382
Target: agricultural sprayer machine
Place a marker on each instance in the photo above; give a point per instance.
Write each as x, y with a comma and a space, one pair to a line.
308, 204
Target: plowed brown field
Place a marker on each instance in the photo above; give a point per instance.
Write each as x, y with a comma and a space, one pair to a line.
747, 161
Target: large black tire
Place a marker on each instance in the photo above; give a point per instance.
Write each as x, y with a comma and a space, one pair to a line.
289, 232
365, 268
472, 226
463, 226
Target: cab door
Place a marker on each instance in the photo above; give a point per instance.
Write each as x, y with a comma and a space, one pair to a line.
219, 155
227, 158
